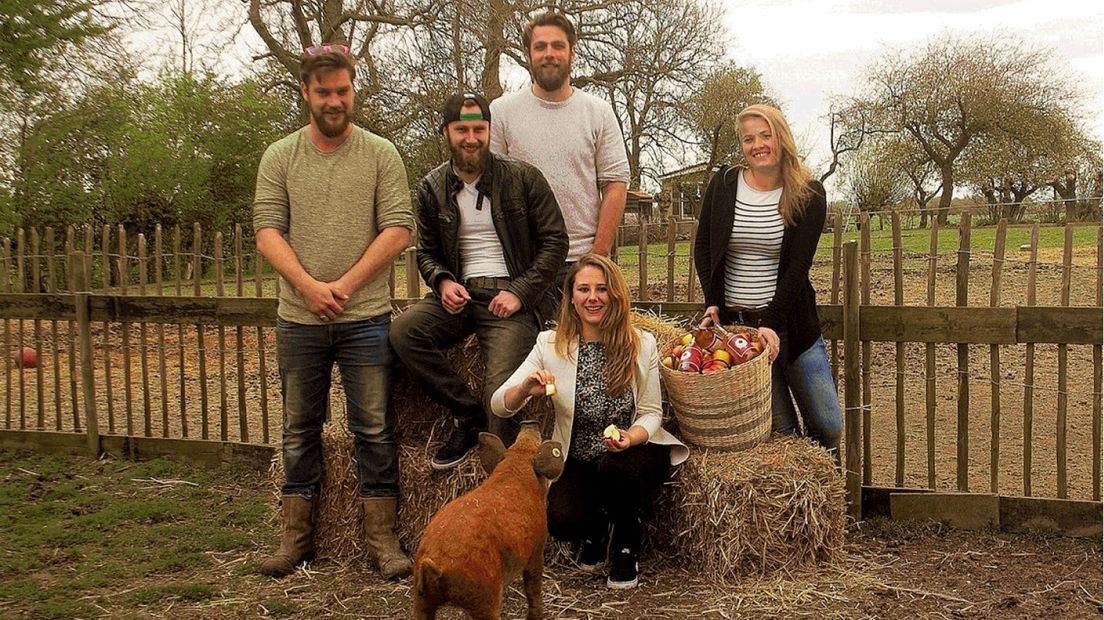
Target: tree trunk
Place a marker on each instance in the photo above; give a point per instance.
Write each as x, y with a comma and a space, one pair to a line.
946, 195
494, 46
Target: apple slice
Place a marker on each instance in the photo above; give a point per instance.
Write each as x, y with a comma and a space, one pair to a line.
612, 432
549, 389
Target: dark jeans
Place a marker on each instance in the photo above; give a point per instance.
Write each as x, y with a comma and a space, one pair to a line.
590, 496
306, 355
425, 331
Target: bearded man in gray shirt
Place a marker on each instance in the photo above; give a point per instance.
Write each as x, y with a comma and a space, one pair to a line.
331, 213
573, 137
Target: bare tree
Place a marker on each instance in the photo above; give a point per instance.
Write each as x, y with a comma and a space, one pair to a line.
712, 110
648, 58
875, 178
1079, 185
956, 92
1007, 167
850, 123
289, 26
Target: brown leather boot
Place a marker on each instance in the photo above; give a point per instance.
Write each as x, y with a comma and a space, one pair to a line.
297, 542
379, 533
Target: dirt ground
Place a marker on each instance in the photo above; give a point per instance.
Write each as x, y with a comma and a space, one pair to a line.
77, 526
891, 571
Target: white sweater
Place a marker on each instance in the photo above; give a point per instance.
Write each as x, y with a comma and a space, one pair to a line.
645, 386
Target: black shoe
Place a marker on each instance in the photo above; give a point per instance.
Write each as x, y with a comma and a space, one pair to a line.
456, 447
593, 553
623, 573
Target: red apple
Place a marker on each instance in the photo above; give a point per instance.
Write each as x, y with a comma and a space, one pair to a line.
26, 358
714, 366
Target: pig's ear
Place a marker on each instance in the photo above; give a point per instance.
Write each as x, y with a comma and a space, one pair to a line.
549, 460
491, 451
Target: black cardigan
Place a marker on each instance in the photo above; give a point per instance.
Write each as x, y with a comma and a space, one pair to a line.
794, 302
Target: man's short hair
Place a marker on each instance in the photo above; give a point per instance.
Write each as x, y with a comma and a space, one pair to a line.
317, 65
549, 18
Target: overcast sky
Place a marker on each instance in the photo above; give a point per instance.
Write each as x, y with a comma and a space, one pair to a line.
810, 50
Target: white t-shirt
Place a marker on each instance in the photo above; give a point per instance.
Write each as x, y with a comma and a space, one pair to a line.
751, 263
480, 248
575, 143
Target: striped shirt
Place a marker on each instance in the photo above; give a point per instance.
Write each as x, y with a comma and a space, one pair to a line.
751, 262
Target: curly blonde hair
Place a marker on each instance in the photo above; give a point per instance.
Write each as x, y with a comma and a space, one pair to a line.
618, 337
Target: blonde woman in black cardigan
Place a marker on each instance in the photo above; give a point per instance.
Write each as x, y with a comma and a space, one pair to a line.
757, 235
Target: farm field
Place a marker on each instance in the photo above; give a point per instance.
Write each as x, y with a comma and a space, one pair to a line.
114, 539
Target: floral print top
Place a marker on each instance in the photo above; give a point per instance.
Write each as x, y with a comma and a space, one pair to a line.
595, 408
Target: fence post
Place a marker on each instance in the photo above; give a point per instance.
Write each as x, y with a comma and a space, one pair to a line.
851, 380
962, 281
642, 253
413, 276
672, 237
84, 326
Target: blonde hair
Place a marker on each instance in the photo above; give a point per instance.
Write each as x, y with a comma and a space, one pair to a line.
618, 338
795, 176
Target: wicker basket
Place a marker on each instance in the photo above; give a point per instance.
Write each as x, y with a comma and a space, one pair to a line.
727, 410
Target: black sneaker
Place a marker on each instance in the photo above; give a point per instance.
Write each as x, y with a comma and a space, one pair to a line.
593, 553
623, 569
460, 441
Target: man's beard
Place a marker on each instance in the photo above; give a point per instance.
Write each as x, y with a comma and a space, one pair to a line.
470, 163
551, 78
328, 129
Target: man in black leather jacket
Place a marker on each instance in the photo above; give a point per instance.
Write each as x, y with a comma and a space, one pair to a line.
490, 242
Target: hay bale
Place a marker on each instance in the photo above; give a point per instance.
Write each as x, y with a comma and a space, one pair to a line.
776, 506
422, 426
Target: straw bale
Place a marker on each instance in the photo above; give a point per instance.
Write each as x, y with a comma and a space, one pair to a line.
776, 506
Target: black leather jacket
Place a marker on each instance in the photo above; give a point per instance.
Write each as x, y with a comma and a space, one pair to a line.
525, 215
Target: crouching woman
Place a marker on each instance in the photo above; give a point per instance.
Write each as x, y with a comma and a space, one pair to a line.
604, 372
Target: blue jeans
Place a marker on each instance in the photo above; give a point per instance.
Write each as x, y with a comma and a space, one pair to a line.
807, 380
306, 355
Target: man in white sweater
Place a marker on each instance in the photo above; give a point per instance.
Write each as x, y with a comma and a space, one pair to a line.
573, 138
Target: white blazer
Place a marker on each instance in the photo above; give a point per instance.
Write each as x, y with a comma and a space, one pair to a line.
645, 386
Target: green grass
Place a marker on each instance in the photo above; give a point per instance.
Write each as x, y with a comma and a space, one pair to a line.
78, 532
918, 241
914, 241
187, 592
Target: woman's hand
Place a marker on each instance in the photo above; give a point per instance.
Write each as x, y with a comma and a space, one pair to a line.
712, 317
621, 443
771, 337
535, 384
626, 439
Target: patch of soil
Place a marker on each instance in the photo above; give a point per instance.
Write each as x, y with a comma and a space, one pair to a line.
891, 571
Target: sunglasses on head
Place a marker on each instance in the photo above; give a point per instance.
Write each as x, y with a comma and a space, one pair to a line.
315, 50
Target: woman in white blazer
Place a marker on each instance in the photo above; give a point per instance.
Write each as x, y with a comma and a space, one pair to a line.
600, 372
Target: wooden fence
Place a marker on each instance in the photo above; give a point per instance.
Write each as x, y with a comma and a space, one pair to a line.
138, 354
